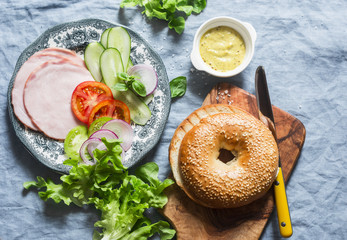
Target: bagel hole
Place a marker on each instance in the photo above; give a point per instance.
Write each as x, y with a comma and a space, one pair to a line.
227, 157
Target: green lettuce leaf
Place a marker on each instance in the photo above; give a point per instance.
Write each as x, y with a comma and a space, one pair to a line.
172, 11
144, 232
169, 5
130, 3
120, 197
198, 5
184, 6
177, 23
54, 191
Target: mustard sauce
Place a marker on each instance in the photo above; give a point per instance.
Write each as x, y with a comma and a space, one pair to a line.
222, 48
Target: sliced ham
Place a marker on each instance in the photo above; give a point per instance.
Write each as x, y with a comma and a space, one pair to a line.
65, 53
19, 83
24, 72
47, 96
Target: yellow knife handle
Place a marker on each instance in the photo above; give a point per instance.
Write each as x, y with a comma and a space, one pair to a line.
283, 215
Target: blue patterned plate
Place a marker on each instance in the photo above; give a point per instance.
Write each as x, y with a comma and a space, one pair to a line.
76, 36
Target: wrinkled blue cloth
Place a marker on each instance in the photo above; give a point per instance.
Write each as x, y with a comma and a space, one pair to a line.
301, 44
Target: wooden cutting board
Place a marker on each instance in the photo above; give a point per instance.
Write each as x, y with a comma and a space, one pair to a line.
193, 221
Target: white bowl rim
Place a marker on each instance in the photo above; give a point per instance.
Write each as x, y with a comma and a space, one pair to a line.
245, 29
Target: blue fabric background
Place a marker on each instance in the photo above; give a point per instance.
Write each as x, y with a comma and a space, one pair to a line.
301, 44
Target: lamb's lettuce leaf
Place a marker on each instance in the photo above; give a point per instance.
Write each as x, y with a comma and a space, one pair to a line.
172, 11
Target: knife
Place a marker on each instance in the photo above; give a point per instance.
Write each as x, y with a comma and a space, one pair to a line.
266, 116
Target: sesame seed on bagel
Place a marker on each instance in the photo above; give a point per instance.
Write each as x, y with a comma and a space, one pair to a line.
195, 152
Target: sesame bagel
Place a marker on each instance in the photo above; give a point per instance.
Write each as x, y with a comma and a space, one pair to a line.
195, 151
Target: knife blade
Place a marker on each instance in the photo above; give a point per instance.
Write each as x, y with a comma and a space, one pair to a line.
266, 116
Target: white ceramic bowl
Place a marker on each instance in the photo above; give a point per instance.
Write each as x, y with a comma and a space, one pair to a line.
245, 29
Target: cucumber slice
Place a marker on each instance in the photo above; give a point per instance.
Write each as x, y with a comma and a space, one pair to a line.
91, 58
111, 64
119, 38
148, 99
139, 111
74, 140
104, 36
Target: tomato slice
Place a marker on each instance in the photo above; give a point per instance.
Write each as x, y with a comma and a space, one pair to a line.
86, 96
121, 111
110, 108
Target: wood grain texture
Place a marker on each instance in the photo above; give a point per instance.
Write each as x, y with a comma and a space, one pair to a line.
193, 221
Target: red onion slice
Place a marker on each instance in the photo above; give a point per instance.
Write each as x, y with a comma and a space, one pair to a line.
89, 145
100, 134
123, 130
146, 75
108, 134
92, 147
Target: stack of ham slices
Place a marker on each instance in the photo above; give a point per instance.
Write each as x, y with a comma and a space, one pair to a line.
42, 90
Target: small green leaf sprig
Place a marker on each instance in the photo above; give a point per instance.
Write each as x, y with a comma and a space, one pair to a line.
130, 82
